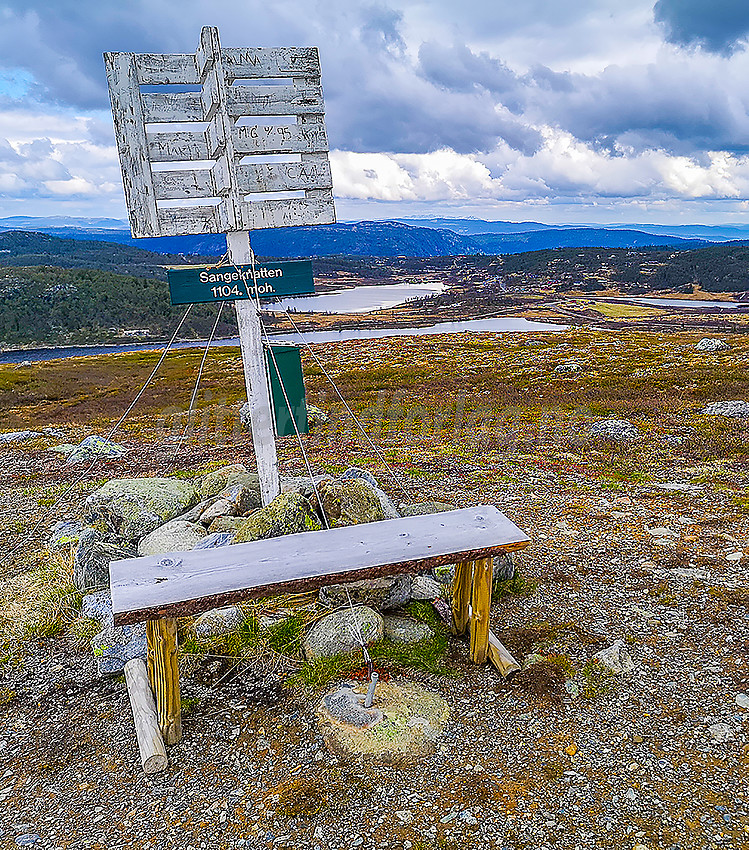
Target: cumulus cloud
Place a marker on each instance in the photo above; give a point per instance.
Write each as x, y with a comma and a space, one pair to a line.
720, 26
496, 100
564, 167
54, 158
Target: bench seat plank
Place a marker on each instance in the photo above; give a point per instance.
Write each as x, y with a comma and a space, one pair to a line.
183, 583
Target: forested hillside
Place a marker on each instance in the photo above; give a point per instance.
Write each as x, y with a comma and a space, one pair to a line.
719, 268
60, 306
24, 248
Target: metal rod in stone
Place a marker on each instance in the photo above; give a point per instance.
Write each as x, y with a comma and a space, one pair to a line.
369, 699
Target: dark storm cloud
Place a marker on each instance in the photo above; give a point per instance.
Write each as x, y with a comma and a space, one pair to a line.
720, 26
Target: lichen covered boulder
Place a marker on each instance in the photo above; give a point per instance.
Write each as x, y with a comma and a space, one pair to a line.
350, 502
421, 508
401, 728
343, 631
174, 536
92, 559
236, 473
288, 513
131, 508
379, 593
615, 431
405, 630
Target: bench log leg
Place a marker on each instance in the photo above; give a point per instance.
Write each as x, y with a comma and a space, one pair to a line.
462, 596
481, 600
163, 674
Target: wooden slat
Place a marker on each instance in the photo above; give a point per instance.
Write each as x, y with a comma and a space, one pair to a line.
171, 107
166, 68
132, 143
481, 601
269, 138
251, 62
179, 185
176, 221
313, 172
274, 100
212, 92
316, 208
176, 146
195, 581
461, 596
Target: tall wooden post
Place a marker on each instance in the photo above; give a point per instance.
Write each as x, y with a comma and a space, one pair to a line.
255, 376
462, 596
163, 673
481, 600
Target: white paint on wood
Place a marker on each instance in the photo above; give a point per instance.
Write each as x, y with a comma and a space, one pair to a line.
172, 107
316, 208
150, 743
130, 132
178, 146
176, 221
274, 100
167, 68
205, 131
306, 560
176, 185
256, 379
313, 172
258, 62
280, 138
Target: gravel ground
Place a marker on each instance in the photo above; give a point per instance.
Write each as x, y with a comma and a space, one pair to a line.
654, 758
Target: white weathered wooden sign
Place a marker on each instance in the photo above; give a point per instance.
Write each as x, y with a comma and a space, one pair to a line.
225, 140
195, 133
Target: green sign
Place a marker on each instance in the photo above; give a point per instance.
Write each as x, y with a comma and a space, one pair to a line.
284, 365
204, 284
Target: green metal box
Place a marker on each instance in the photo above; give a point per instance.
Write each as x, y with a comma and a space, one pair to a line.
284, 364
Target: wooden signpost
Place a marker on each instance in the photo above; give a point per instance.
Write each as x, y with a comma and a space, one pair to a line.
242, 145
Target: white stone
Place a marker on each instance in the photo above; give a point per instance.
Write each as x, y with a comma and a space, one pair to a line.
425, 588
616, 658
174, 536
720, 732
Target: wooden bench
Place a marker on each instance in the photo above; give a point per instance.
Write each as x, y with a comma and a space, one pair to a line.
160, 588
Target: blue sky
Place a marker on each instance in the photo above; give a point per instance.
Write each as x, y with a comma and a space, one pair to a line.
578, 111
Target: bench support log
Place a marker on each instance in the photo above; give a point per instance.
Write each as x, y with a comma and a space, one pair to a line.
481, 600
462, 596
164, 675
150, 743
500, 657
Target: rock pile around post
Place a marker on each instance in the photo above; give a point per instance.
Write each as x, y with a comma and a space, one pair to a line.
400, 728
131, 517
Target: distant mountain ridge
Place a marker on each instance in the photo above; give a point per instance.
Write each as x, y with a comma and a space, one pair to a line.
372, 238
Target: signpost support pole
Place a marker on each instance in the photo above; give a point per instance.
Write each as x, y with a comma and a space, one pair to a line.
253, 360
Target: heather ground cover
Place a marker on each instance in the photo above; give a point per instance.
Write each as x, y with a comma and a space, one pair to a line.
644, 542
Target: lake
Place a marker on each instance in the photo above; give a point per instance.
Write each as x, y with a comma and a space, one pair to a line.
313, 337
359, 299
